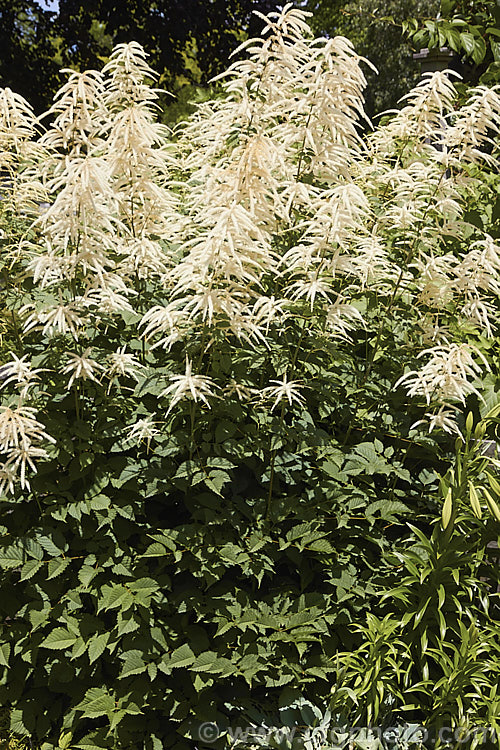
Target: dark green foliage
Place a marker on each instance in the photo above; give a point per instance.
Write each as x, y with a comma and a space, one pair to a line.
27, 51
471, 29
144, 594
166, 28
189, 39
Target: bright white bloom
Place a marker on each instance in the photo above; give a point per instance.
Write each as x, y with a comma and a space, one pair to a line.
422, 118
342, 318
284, 389
476, 276
267, 309
62, 318
371, 263
19, 433
17, 120
8, 480
446, 377
19, 371
311, 287
195, 387
144, 430
48, 268
107, 300
79, 110
435, 279
19, 458
482, 314
444, 420
81, 367
473, 126
19, 428
123, 363
168, 319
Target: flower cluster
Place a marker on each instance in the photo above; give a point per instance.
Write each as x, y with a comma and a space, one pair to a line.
270, 205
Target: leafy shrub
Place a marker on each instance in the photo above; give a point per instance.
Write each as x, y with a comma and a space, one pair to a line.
216, 422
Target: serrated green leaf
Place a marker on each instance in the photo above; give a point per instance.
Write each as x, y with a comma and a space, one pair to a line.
97, 702
12, 557
48, 546
79, 648
59, 638
134, 664
86, 574
117, 597
96, 646
320, 545
181, 657
100, 502
29, 569
4, 654
55, 567
156, 550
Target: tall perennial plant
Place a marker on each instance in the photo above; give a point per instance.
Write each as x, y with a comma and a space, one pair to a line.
240, 357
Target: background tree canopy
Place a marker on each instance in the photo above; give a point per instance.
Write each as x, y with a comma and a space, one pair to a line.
190, 41
29, 60
187, 39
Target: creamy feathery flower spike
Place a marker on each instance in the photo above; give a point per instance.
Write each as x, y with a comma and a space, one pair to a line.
429, 102
22, 190
446, 377
20, 372
142, 431
81, 367
479, 268
47, 269
435, 279
371, 264
107, 300
267, 310
482, 314
124, 363
79, 107
8, 479
19, 428
472, 127
241, 391
144, 257
443, 419
138, 157
128, 74
189, 386
476, 275
62, 318
343, 317
284, 389
17, 117
432, 331
310, 287
165, 319
17, 127
19, 458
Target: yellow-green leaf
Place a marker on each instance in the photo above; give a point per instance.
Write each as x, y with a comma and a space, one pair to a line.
492, 505
474, 501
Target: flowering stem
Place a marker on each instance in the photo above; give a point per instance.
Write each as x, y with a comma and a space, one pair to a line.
407, 259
